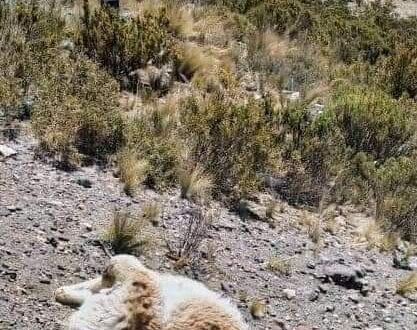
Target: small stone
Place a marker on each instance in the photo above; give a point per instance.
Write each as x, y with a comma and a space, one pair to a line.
355, 298
289, 293
6, 152
330, 308
84, 182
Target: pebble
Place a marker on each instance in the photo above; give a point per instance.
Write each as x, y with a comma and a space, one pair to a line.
289, 293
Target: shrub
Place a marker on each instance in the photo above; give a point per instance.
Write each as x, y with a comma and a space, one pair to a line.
27, 31
153, 136
151, 212
194, 231
123, 45
190, 60
233, 142
397, 73
396, 199
78, 114
369, 121
280, 265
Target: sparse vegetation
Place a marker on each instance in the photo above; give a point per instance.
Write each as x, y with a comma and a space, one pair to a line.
349, 119
407, 284
193, 232
279, 265
257, 309
151, 211
195, 185
124, 234
132, 171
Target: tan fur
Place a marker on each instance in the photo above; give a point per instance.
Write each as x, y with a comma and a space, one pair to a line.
143, 305
197, 315
129, 296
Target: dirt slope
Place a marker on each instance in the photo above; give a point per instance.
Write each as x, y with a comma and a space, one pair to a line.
49, 226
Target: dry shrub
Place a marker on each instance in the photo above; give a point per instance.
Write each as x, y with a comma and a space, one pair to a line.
192, 234
190, 59
139, 40
78, 115
375, 236
233, 142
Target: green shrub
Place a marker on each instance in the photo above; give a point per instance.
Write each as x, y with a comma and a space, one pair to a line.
397, 195
123, 45
27, 30
370, 121
76, 110
233, 142
397, 73
154, 138
358, 127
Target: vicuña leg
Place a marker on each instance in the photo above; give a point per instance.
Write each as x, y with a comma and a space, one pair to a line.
75, 295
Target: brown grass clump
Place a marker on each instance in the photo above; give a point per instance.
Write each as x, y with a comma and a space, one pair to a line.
151, 212
195, 184
376, 237
407, 284
190, 60
132, 171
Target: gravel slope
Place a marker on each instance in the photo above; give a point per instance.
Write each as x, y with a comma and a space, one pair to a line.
49, 225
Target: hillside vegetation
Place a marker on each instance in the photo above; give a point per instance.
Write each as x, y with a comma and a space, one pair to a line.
314, 101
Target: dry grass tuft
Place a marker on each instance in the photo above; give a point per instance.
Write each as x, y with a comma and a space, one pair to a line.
132, 171
195, 184
314, 231
191, 60
407, 284
280, 265
273, 208
375, 237
151, 212
123, 234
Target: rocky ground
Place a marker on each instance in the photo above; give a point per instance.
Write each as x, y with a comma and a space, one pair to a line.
51, 222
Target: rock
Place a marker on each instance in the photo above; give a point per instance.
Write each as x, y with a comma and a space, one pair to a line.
289, 293
84, 182
6, 152
313, 295
346, 276
330, 308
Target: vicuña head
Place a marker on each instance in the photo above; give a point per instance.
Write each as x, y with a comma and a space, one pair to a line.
130, 296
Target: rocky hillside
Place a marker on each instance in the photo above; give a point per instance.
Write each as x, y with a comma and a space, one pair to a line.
52, 222
266, 148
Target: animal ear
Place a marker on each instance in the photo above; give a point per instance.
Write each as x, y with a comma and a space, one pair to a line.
108, 277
